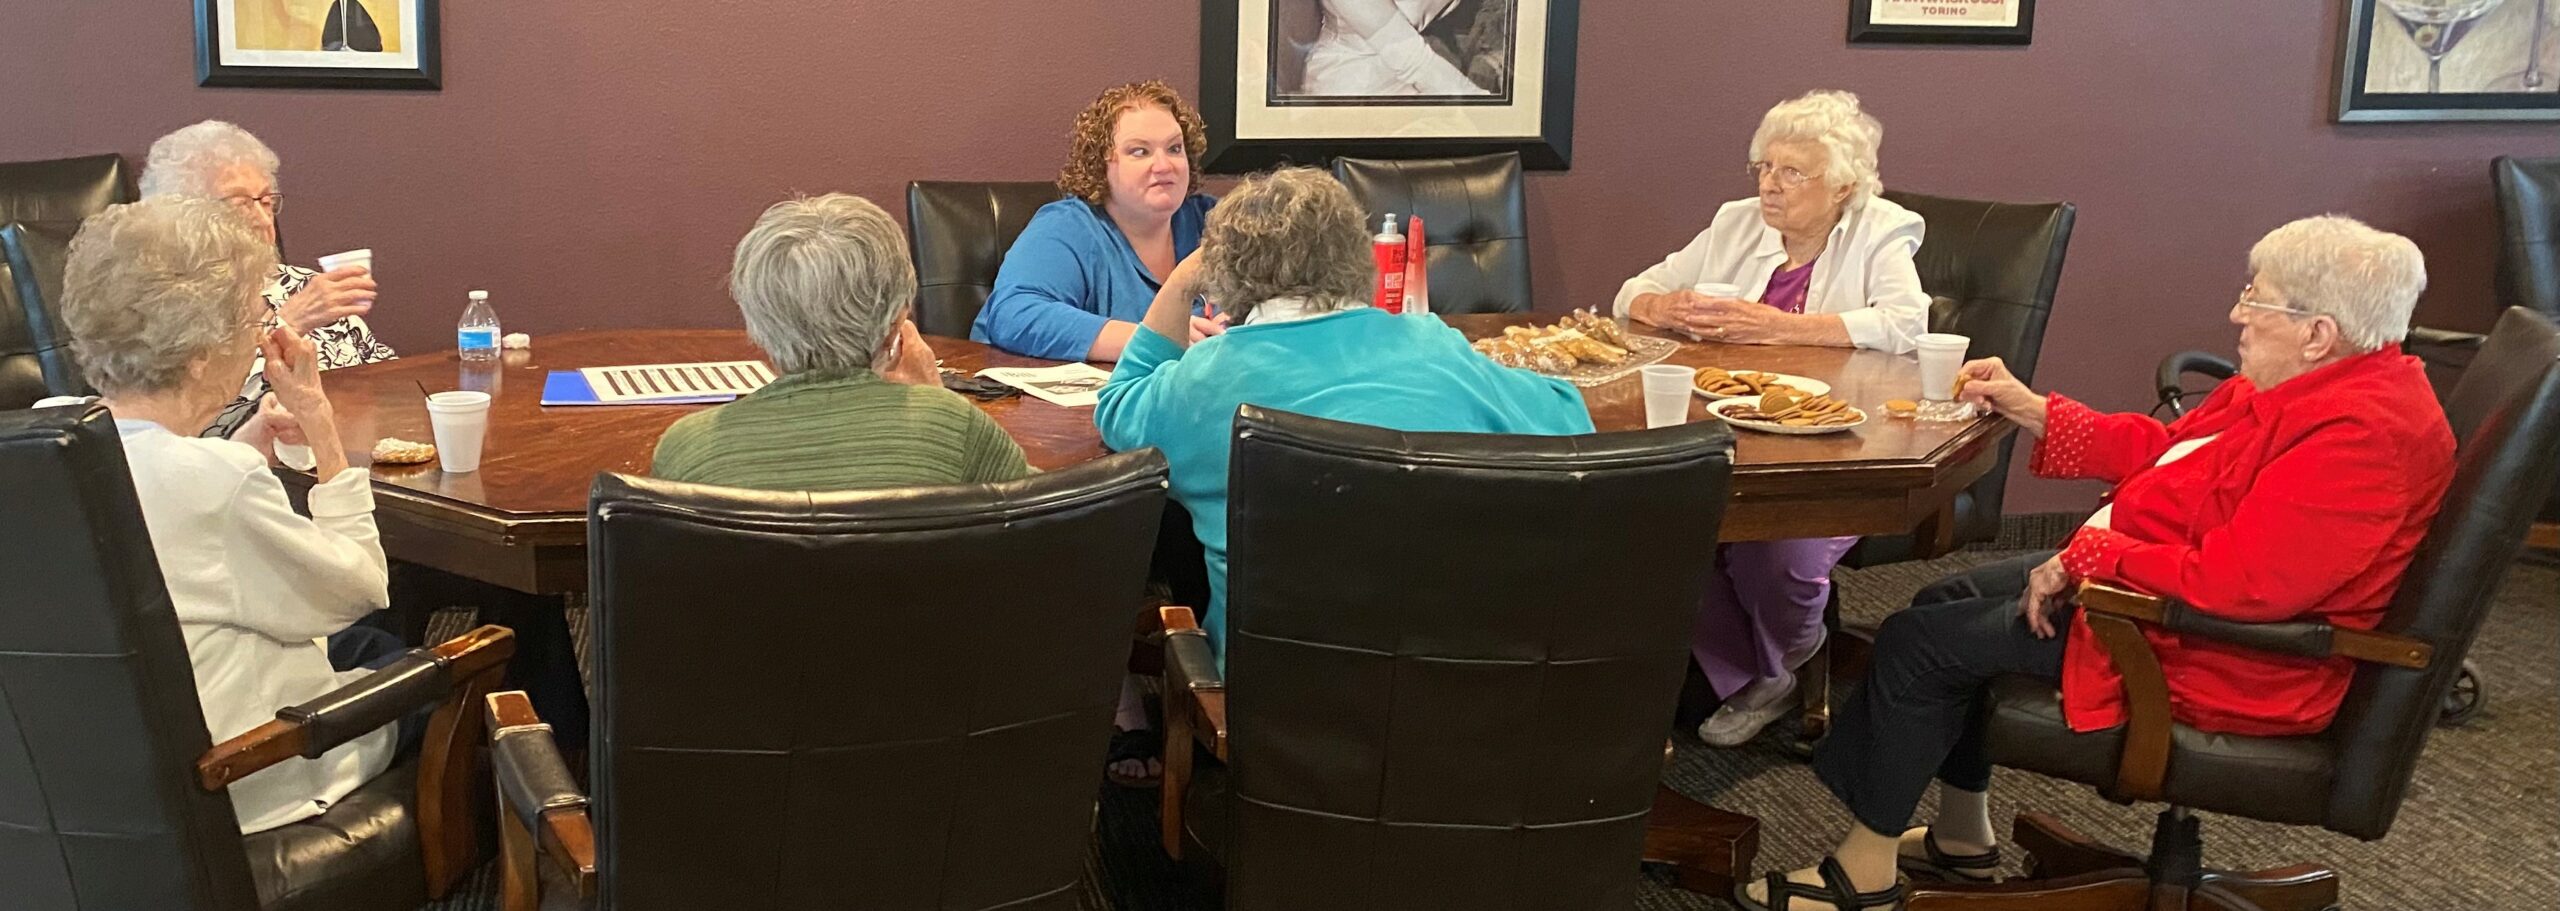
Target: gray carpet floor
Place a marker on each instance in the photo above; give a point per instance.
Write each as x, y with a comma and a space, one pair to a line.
2480, 828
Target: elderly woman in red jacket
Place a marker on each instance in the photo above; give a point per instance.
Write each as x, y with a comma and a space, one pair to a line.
2298, 490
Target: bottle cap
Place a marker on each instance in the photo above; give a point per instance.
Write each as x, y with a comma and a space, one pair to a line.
479, 295
1389, 226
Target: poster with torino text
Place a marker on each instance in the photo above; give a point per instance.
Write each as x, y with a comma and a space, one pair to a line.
1942, 21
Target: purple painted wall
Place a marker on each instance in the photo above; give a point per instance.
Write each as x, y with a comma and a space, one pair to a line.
593, 166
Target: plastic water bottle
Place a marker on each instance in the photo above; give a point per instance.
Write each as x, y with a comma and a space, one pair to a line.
477, 335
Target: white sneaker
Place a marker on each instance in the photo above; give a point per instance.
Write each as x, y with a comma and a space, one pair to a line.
1750, 709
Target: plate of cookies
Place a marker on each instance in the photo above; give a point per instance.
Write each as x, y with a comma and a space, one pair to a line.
1789, 413
1718, 384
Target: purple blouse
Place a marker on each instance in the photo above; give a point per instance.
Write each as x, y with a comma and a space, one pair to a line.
1788, 286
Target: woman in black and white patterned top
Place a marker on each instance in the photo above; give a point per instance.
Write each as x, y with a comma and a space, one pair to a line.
343, 342
222, 161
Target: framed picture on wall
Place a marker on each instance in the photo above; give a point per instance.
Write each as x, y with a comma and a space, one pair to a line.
1306, 80
2424, 60
1942, 21
333, 44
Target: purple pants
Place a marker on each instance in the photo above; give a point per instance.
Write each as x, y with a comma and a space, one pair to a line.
1764, 602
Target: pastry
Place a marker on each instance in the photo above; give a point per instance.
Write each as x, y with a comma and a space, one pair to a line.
1582, 338
1901, 408
396, 451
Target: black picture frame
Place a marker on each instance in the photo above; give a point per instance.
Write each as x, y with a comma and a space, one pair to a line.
1863, 30
2355, 105
212, 71
1550, 150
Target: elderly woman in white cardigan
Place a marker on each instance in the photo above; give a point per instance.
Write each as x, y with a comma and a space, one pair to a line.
161, 297
1816, 259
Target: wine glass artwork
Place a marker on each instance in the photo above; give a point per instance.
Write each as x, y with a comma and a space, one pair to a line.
2435, 26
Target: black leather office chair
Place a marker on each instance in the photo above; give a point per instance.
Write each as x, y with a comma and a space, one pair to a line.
22, 368
1475, 223
111, 794
1454, 654
2349, 779
64, 189
2529, 220
878, 699
1991, 269
49, 197
2529, 265
959, 231
35, 348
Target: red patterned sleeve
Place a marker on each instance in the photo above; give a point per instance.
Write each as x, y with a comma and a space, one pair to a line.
2081, 443
2092, 554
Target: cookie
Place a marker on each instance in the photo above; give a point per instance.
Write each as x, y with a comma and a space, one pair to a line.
396, 451
1902, 408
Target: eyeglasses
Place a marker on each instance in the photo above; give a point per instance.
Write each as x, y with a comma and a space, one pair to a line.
2249, 295
1788, 178
272, 202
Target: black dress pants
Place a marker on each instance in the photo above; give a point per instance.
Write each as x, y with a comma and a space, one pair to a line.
1918, 713
545, 666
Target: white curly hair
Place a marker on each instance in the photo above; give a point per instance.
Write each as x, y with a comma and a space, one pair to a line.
188, 160
151, 287
1851, 137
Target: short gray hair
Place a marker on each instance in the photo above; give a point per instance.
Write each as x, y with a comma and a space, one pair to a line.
1848, 134
188, 161
821, 281
1293, 232
154, 286
2331, 265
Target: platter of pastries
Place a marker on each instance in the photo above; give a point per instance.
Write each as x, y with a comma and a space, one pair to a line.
1789, 412
1584, 348
1717, 383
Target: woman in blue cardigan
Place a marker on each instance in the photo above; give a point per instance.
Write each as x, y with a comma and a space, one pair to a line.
1077, 280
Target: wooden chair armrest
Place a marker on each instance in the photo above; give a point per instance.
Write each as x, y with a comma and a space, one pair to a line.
541, 812
2101, 598
2144, 763
2445, 338
450, 676
419, 678
1192, 677
2116, 616
2301, 639
1195, 710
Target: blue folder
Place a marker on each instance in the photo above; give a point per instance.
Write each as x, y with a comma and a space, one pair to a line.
569, 387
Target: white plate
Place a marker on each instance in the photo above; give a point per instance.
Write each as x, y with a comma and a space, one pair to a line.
1718, 409
1804, 384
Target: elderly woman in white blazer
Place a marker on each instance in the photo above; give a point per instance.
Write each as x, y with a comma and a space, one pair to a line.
1816, 259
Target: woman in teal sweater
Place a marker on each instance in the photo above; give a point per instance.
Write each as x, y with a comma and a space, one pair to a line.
1285, 258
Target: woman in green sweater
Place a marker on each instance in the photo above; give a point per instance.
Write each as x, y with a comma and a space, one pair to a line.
825, 286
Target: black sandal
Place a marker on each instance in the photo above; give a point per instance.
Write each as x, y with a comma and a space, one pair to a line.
1835, 889
1954, 868
1139, 745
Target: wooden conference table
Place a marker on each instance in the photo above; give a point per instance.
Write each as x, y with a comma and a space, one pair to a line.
520, 522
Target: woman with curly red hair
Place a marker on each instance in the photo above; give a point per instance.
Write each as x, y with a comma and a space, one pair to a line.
1079, 278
